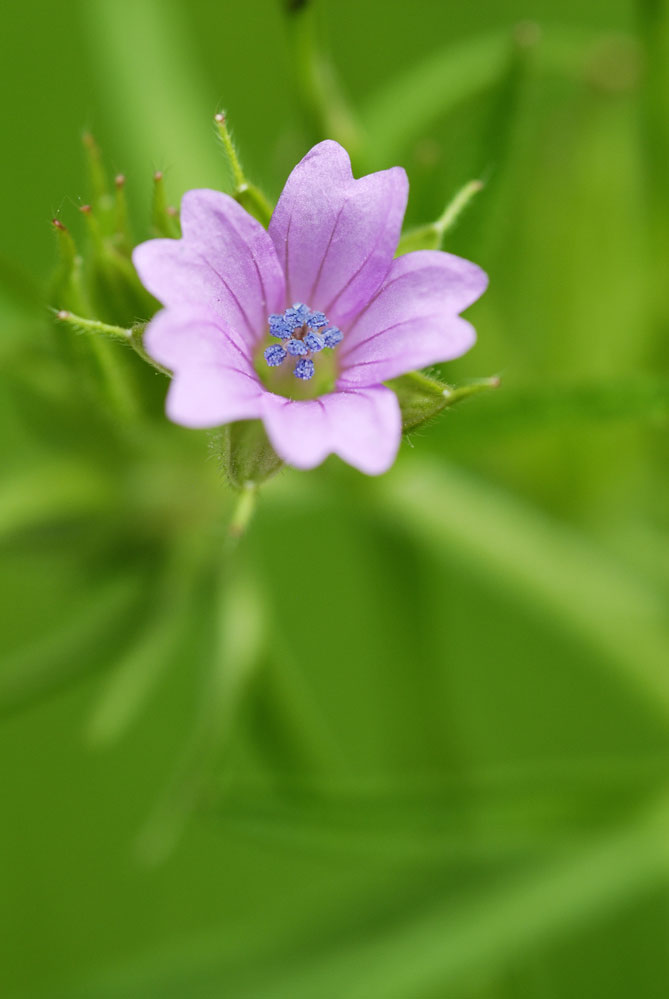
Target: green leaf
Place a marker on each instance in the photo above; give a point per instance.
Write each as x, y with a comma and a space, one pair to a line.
431, 950
135, 676
326, 111
435, 945
237, 640
155, 95
403, 109
548, 565
532, 409
53, 492
75, 648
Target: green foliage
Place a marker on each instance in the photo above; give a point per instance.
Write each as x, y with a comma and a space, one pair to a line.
407, 738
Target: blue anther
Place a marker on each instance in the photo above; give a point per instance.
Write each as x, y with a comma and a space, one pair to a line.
333, 336
314, 341
274, 355
291, 319
304, 369
317, 320
296, 316
303, 333
277, 327
296, 347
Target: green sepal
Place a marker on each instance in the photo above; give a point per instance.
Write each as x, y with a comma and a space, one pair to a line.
113, 284
425, 237
102, 199
422, 396
67, 286
254, 201
164, 219
246, 455
431, 236
248, 195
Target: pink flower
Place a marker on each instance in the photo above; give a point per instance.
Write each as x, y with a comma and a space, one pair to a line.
322, 287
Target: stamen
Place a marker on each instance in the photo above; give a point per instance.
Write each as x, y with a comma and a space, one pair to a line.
314, 342
274, 355
317, 320
305, 332
296, 348
333, 336
278, 326
304, 369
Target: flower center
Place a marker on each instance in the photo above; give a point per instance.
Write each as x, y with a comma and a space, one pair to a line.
301, 334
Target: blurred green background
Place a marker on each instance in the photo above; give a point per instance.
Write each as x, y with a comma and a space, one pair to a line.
410, 740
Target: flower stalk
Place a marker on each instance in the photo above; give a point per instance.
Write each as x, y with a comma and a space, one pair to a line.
132, 337
243, 511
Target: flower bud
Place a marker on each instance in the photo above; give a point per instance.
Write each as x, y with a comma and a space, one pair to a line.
421, 396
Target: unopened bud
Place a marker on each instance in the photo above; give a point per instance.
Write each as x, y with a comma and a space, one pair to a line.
421, 397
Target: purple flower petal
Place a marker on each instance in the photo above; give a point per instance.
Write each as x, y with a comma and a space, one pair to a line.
225, 262
209, 396
363, 427
298, 430
214, 382
336, 236
179, 338
412, 321
366, 427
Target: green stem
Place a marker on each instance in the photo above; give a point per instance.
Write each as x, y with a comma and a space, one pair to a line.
243, 511
456, 207
81, 325
115, 379
133, 337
